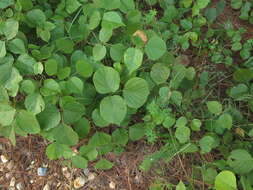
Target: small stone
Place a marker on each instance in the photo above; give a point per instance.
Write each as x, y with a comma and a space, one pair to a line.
112, 185
19, 186
86, 171
8, 175
46, 187
4, 159
31, 181
13, 181
79, 182
91, 176
42, 171
10, 165
65, 172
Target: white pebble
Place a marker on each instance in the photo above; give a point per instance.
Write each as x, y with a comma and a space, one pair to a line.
65, 172
8, 175
4, 159
112, 185
13, 181
46, 187
79, 182
86, 171
19, 186
42, 171
10, 165
91, 176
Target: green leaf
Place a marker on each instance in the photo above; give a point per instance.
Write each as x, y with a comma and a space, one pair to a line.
127, 5
113, 109
27, 86
176, 97
169, 121
214, 107
10, 29
133, 59
243, 75
155, 48
100, 139
120, 137
236, 4
38, 68
17, 46
51, 67
178, 74
5, 71
84, 68
103, 164
64, 134
195, 125
89, 152
211, 14
238, 91
34, 103
72, 6
75, 85
106, 80
117, 52
98, 120
4, 98
99, 52
180, 186
105, 34
225, 121
55, 151
107, 4
49, 118
190, 73
82, 128
2, 49
79, 162
36, 17
241, 161
26, 4
12, 84
27, 122
206, 144
112, 20
9, 132
7, 114
25, 64
94, 20
209, 175
181, 122
136, 132
6, 3
65, 45
72, 112
225, 180
63, 73
159, 73
50, 88
136, 92
183, 134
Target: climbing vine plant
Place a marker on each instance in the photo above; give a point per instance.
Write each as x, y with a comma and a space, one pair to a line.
72, 69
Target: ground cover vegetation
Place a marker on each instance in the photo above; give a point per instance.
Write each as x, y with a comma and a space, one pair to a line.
90, 76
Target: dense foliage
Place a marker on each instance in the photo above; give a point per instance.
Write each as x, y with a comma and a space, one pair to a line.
114, 71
